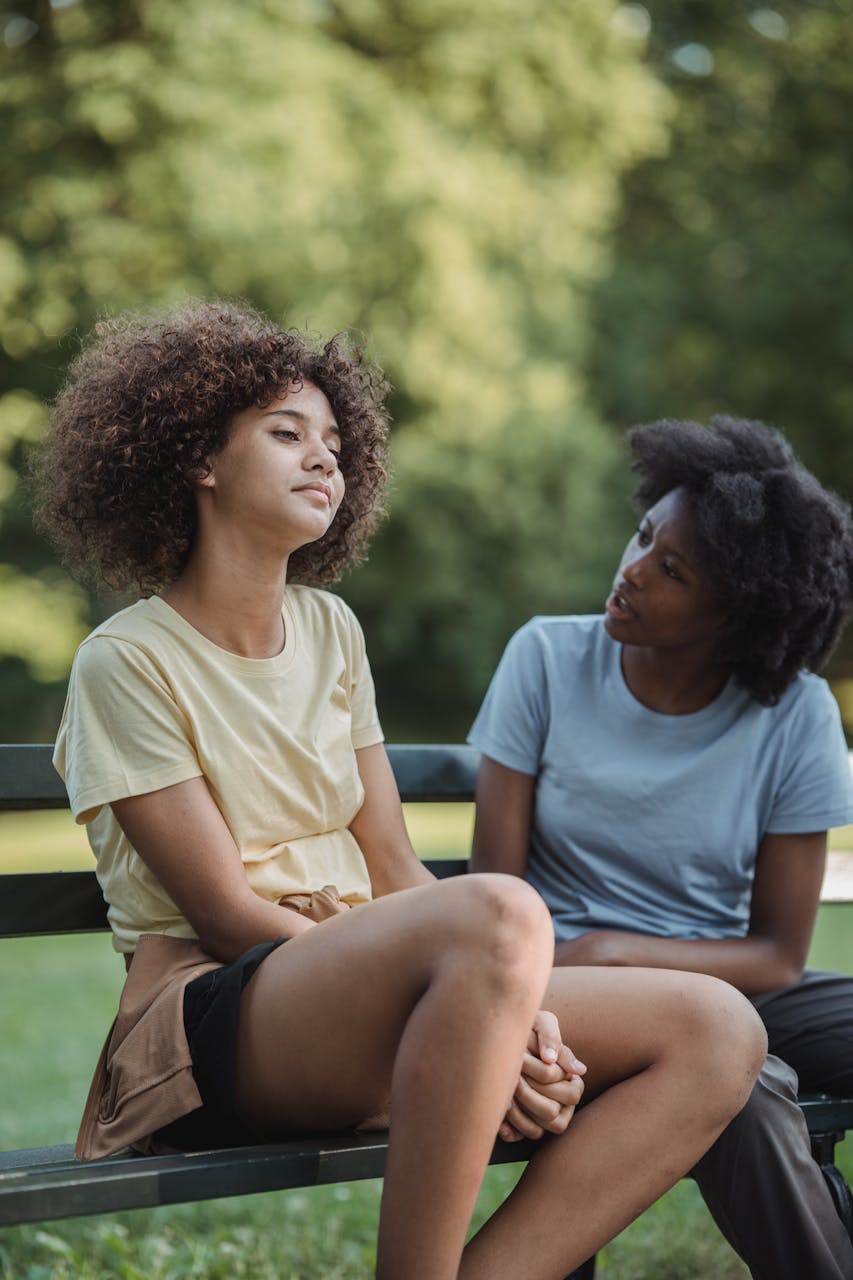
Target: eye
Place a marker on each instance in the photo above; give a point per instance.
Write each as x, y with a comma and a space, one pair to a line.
643, 536
671, 571
286, 433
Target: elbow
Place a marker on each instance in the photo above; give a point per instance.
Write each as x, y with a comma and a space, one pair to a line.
224, 936
790, 973
219, 945
775, 963
790, 964
783, 970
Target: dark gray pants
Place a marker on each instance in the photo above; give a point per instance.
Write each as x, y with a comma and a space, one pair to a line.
766, 1193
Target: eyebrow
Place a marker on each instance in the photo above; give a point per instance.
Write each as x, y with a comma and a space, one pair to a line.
299, 416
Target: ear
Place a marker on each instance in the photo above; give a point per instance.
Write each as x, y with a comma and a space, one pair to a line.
203, 477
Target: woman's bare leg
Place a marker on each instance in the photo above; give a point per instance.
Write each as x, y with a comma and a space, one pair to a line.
428, 994
671, 1058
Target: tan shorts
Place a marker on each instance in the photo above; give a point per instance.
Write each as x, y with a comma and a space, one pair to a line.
144, 1078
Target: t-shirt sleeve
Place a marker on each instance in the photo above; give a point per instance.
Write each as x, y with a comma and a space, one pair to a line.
815, 791
366, 730
512, 722
122, 732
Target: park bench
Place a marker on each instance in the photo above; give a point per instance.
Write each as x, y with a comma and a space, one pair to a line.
45, 1183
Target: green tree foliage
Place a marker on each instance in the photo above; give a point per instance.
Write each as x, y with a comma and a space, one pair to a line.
733, 268
440, 176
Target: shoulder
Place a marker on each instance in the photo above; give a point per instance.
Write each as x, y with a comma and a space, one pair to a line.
551, 651
807, 712
328, 619
803, 726
563, 637
128, 636
316, 607
808, 701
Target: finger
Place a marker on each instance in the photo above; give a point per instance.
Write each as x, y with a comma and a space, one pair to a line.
534, 1068
548, 1039
566, 1093
570, 1064
538, 1107
556, 1118
507, 1133
561, 1121
523, 1124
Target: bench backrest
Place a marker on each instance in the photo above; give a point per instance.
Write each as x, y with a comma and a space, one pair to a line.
51, 902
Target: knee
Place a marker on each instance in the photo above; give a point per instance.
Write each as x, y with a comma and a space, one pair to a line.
508, 925
728, 1039
736, 1028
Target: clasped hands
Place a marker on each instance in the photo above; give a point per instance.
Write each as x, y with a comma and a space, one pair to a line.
548, 1090
549, 1086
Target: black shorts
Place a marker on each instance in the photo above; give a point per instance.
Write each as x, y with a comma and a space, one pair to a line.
211, 1022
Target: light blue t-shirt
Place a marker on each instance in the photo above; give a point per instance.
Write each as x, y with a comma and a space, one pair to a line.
651, 822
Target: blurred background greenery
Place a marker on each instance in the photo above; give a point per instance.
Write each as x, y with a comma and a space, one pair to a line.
551, 218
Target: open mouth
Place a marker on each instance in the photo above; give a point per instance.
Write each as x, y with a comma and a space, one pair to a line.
618, 607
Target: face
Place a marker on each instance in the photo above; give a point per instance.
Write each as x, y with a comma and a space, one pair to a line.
659, 598
277, 476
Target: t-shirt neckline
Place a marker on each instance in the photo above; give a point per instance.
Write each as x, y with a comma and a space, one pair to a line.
714, 711
237, 662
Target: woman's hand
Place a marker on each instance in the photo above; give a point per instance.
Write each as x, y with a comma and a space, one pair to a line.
549, 1087
599, 946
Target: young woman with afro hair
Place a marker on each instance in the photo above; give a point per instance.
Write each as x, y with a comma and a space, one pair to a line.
292, 967
665, 775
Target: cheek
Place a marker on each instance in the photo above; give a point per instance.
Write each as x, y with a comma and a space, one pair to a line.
338, 488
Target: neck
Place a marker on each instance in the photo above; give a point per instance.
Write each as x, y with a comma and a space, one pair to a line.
233, 600
671, 681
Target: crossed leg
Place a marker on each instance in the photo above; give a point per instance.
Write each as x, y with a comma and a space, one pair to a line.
671, 1058
429, 995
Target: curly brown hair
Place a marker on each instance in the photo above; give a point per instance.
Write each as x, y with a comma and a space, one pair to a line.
149, 402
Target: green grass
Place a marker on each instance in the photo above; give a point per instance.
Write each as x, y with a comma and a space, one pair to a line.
59, 996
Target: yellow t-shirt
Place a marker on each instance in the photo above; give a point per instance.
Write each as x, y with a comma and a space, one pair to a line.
152, 702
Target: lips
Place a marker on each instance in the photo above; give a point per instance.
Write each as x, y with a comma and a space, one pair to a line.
619, 607
320, 490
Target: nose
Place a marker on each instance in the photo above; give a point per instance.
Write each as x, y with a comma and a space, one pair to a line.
634, 568
321, 458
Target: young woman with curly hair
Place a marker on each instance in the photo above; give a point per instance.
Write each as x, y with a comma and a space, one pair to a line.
292, 966
664, 775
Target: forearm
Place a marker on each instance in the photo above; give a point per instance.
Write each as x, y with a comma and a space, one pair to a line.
380, 829
226, 934
403, 871
752, 964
